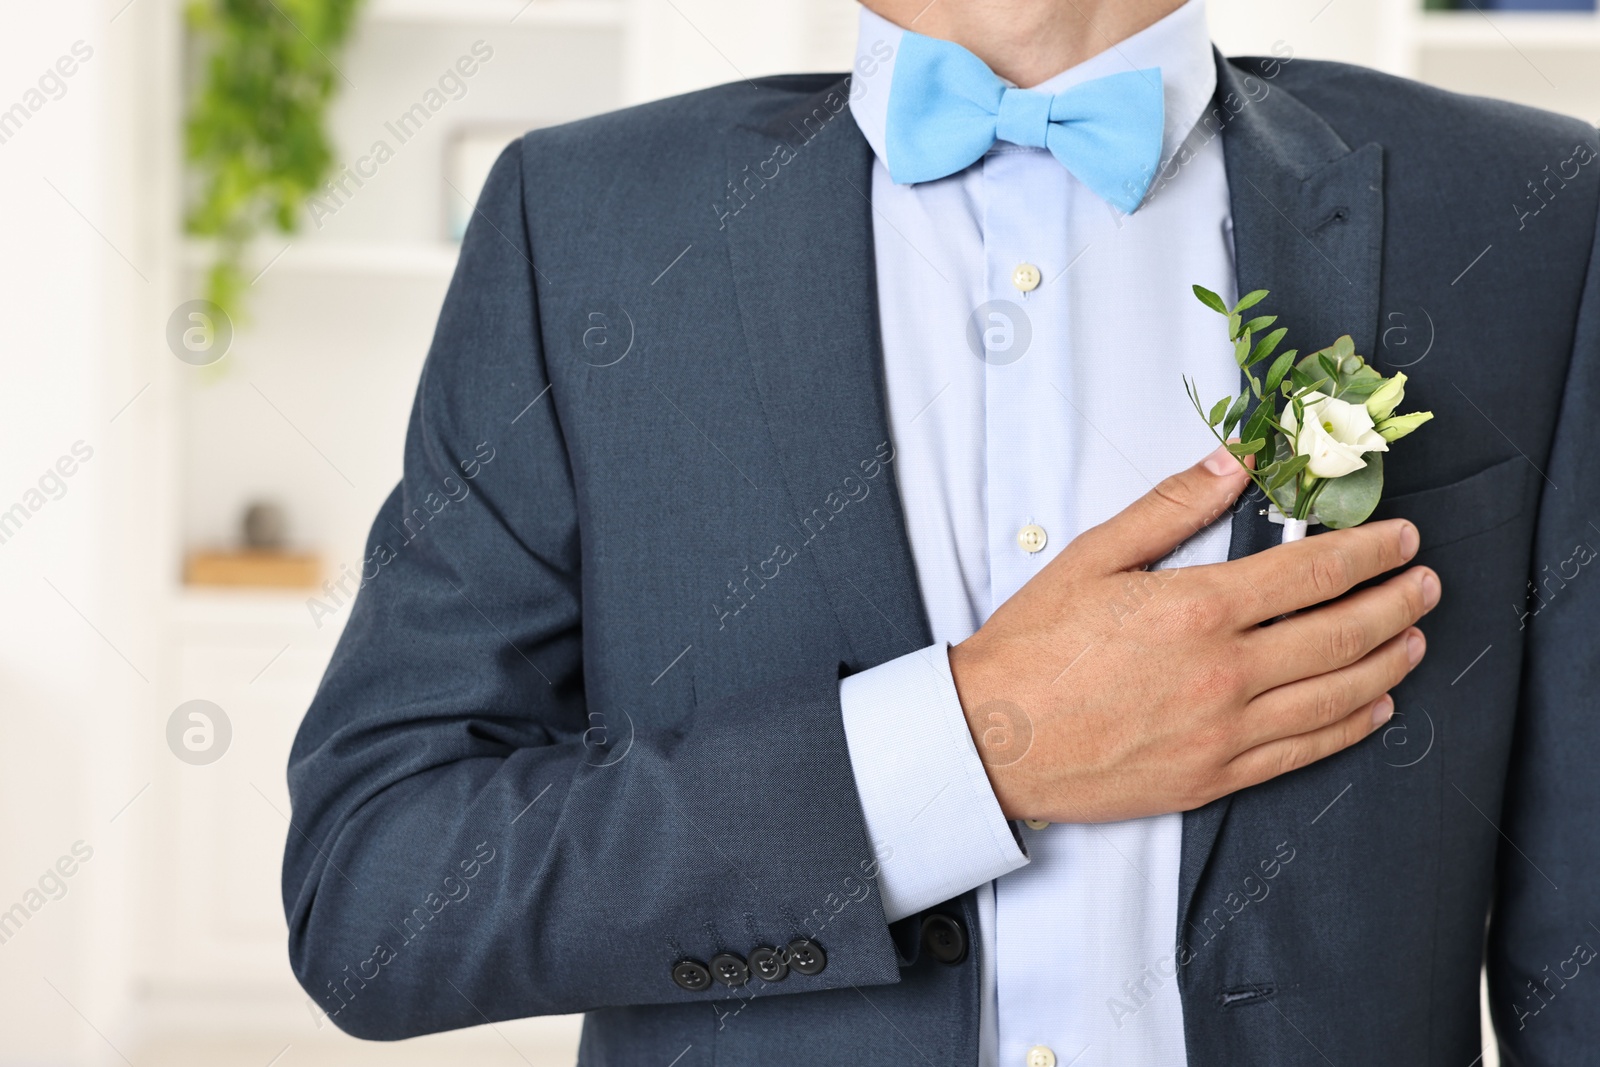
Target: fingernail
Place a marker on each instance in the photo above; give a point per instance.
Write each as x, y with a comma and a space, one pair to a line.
1382, 710
1409, 540
1221, 462
1415, 647
1430, 589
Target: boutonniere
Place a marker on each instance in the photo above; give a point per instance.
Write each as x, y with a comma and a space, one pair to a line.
1318, 458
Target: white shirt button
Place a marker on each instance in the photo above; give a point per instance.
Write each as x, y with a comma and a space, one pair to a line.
1026, 277
1040, 1056
1032, 538
1035, 824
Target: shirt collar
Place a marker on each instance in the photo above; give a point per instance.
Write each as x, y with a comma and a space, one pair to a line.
1179, 44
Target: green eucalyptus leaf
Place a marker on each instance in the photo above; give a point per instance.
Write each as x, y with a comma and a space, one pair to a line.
1342, 351
1219, 409
1359, 387
1303, 380
1288, 469
1259, 421
1287, 495
1268, 345
1235, 413
1246, 448
1330, 369
1349, 501
1279, 368
1250, 300
1241, 349
1235, 327
1355, 377
1210, 300
1259, 324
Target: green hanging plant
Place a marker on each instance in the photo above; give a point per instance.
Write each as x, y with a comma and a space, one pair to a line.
255, 136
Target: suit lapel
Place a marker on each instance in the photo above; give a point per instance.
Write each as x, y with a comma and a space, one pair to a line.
1308, 225
805, 275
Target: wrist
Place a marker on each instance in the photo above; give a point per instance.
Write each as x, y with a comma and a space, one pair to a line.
1001, 730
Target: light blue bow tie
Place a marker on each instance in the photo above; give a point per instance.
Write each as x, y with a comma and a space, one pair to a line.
946, 109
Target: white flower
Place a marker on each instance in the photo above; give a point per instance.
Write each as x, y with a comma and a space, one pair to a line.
1335, 437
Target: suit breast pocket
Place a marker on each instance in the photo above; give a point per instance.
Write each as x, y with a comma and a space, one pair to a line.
1495, 496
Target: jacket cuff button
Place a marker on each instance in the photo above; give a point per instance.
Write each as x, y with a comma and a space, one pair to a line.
691, 976
729, 969
944, 938
768, 964
806, 956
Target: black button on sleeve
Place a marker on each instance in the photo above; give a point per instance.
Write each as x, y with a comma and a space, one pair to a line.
768, 964
729, 969
691, 975
944, 938
806, 956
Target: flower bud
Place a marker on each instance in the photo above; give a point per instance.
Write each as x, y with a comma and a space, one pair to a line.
1392, 429
1387, 397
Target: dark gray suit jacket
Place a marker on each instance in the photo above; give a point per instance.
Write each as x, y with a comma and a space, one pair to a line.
584, 723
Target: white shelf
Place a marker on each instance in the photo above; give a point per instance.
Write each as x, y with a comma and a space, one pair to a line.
523, 14
1523, 29
273, 255
204, 609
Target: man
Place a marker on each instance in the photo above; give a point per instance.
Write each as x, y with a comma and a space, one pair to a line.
833, 653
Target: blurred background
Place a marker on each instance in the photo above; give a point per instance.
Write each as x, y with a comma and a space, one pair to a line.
178, 481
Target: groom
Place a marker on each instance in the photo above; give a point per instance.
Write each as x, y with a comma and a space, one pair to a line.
845, 659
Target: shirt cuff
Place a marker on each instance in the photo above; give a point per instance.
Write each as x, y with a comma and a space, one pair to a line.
932, 817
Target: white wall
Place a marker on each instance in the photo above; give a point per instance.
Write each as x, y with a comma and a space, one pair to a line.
1352, 31
72, 649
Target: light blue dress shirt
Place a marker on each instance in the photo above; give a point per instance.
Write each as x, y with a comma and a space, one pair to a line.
1034, 341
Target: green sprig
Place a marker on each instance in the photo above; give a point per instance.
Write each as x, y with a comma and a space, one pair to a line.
1284, 477
256, 131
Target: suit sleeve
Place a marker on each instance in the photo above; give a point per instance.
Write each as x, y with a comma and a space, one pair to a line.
1544, 970
465, 847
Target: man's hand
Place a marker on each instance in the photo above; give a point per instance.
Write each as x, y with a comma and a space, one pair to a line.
1102, 691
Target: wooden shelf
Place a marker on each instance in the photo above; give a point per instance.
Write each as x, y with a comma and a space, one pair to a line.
1523, 29
518, 14
240, 569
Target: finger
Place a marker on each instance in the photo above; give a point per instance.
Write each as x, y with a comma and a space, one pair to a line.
1297, 575
1171, 513
1339, 634
1291, 753
1315, 703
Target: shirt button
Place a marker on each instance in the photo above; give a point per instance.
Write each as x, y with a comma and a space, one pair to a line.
1025, 277
1035, 824
1039, 1056
1032, 538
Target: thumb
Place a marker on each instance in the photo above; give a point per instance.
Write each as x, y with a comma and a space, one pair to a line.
1166, 516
